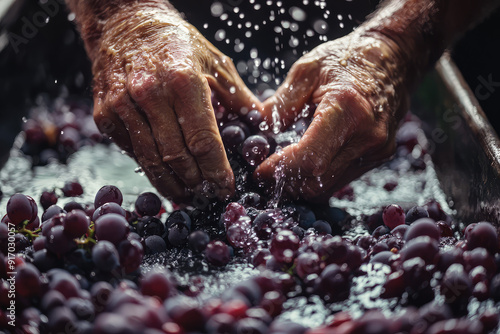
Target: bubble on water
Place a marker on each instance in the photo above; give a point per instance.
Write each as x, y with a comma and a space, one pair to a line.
320, 26
220, 35
297, 13
216, 9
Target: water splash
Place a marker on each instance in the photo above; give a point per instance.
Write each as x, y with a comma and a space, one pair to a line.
279, 176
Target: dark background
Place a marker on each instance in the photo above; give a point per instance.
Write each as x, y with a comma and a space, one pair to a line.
53, 61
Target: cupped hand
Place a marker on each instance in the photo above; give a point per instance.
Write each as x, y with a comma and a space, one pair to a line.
357, 84
153, 78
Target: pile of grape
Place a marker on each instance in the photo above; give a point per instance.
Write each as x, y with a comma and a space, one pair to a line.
56, 128
87, 267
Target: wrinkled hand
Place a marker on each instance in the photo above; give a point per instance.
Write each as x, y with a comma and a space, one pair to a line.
357, 83
154, 74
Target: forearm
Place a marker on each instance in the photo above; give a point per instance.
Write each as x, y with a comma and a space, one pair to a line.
92, 16
422, 29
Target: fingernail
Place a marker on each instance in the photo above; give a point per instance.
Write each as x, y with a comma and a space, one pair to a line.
313, 165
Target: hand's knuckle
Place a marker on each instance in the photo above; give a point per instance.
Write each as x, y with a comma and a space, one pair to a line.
203, 143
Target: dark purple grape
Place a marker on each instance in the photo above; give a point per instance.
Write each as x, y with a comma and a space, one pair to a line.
51, 212
415, 213
21, 208
156, 283
52, 299
393, 215
255, 149
105, 256
177, 217
198, 241
251, 326
108, 194
322, 227
435, 211
178, 234
220, 323
100, 293
233, 212
281, 326
479, 257
72, 189
185, 313
333, 283
154, 244
147, 226
73, 205
148, 204
385, 257
217, 253
253, 119
108, 208
64, 282
423, 227
27, 281
333, 250
82, 308
131, 254
484, 235
284, 246
76, 224
400, 231
250, 200
58, 242
423, 247
232, 136
111, 227
458, 326
47, 199
306, 264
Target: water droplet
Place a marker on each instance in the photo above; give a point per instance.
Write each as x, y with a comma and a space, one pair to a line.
216, 9
220, 35
263, 126
297, 14
139, 171
232, 90
320, 26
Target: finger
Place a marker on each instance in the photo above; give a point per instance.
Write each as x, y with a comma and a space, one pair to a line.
292, 95
145, 149
111, 125
230, 89
199, 127
153, 100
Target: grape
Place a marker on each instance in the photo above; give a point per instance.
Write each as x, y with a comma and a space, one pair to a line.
393, 215
28, 282
148, 204
322, 227
47, 199
73, 205
385, 257
217, 253
333, 283
58, 242
111, 227
255, 149
458, 326
306, 264
479, 257
415, 213
178, 216
147, 226
131, 254
198, 241
51, 212
108, 208
21, 208
178, 234
423, 247
281, 326
233, 212
105, 256
82, 308
64, 282
61, 319
250, 200
108, 194
220, 323
423, 227
250, 325
185, 313
232, 136
72, 189
156, 283
284, 245
154, 244
76, 223
484, 235
100, 293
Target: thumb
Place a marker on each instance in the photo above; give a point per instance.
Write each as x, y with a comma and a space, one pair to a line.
292, 95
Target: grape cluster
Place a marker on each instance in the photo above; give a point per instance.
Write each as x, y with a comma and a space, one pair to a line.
57, 128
